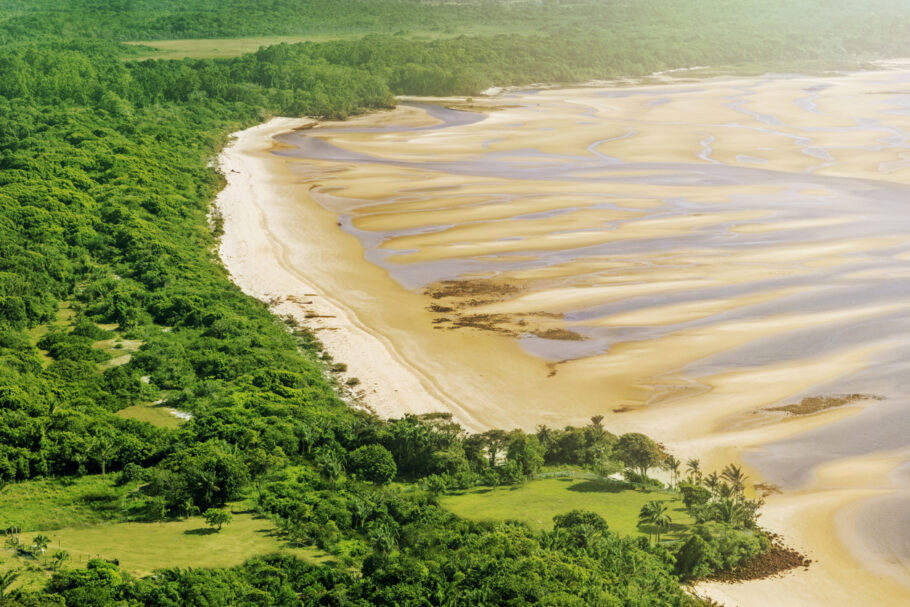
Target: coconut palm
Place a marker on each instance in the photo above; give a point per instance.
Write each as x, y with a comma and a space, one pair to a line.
736, 477
7, 579
672, 464
189, 508
711, 482
60, 557
654, 514
728, 511
693, 466
41, 542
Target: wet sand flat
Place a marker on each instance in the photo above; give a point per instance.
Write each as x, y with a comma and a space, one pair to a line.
677, 257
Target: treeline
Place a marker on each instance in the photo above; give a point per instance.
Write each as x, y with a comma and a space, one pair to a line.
641, 35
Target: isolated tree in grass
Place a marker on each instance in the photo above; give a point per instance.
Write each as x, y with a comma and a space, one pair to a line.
373, 463
41, 542
579, 528
654, 514
60, 557
216, 517
637, 451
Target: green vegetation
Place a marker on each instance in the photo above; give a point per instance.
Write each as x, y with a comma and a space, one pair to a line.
216, 518
47, 504
156, 414
111, 298
537, 502
141, 548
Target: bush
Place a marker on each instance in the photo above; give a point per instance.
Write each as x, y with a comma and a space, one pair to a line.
131, 472
373, 463
713, 548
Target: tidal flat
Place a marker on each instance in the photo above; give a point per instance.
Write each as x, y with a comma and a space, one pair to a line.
681, 257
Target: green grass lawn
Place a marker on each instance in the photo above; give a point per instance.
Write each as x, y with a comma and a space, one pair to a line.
143, 547
41, 505
120, 350
537, 502
87, 517
157, 414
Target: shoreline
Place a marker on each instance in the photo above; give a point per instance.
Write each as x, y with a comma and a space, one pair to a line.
256, 261
266, 180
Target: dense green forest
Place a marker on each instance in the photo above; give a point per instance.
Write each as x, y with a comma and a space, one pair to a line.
105, 187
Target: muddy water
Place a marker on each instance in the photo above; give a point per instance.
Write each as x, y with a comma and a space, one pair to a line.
686, 255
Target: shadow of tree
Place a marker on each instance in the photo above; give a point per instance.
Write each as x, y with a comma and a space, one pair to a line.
604, 486
200, 531
675, 531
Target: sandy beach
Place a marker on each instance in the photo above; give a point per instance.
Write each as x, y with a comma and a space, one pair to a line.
678, 257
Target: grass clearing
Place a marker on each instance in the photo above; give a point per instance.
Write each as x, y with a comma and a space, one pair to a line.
143, 547
42, 505
157, 414
66, 318
537, 502
121, 350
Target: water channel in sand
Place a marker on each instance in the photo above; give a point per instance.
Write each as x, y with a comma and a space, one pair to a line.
679, 257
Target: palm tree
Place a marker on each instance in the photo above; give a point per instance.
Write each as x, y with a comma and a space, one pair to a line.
654, 513
728, 511
693, 466
7, 578
711, 482
189, 508
41, 542
331, 465
737, 478
672, 465
208, 484
59, 558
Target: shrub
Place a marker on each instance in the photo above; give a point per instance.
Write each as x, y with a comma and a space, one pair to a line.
373, 463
